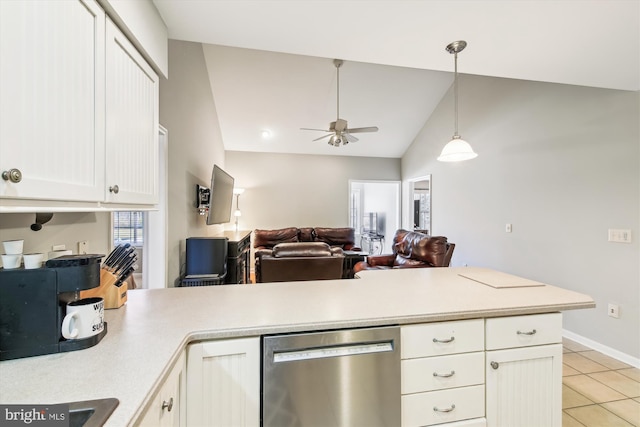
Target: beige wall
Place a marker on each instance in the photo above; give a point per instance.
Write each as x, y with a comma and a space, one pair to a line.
295, 190
188, 112
562, 164
64, 229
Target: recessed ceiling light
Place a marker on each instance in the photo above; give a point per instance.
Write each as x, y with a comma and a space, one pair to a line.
266, 134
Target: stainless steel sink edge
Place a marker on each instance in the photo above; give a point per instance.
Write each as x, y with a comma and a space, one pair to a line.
102, 410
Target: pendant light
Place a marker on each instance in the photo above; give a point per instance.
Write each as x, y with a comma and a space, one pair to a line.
457, 149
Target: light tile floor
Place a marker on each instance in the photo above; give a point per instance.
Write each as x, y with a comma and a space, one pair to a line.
597, 390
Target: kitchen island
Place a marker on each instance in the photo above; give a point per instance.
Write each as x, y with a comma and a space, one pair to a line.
149, 334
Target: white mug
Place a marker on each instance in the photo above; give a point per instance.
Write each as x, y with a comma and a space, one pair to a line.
85, 318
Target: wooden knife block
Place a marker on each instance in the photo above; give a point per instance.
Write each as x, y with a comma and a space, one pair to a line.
114, 296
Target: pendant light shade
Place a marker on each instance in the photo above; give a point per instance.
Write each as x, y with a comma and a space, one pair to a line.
457, 149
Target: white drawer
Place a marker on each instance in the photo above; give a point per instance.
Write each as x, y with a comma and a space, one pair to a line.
523, 331
423, 409
436, 339
437, 373
476, 422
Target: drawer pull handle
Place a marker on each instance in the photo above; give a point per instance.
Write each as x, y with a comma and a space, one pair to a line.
495, 365
451, 408
167, 406
444, 341
114, 189
452, 373
527, 333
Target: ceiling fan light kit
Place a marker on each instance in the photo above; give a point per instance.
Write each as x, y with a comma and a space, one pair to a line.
339, 132
457, 149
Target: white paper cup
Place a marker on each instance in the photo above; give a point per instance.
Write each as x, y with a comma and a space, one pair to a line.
33, 261
13, 247
11, 261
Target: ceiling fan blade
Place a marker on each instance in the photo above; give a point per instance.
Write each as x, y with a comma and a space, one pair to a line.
361, 130
349, 138
322, 137
321, 130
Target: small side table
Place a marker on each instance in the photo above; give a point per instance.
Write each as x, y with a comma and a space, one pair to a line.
351, 258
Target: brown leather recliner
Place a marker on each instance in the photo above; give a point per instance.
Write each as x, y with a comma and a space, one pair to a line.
301, 261
411, 250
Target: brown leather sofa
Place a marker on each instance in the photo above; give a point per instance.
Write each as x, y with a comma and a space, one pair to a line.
411, 250
264, 241
301, 261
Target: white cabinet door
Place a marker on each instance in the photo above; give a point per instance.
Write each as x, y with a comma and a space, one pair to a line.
131, 123
52, 99
168, 407
524, 386
223, 383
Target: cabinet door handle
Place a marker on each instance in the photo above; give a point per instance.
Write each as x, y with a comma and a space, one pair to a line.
533, 332
495, 365
449, 409
13, 175
114, 189
444, 341
167, 406
450, 374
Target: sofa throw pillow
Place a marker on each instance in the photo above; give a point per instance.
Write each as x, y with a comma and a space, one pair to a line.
335, 236
270, 238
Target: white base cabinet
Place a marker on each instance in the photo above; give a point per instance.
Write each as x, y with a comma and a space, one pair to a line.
223, 383
168, 406
524, 370
524, 386
498, 372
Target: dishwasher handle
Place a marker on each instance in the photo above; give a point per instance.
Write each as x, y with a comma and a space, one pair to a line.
352, 349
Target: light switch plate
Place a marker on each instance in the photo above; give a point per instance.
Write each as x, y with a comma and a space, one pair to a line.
619, 235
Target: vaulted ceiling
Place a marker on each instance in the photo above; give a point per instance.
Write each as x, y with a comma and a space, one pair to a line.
270, 61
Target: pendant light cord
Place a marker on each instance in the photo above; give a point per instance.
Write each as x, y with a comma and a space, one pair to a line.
338, 93
455, 92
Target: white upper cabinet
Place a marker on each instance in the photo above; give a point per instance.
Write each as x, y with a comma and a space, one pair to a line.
78, 111
131, 123
52, 99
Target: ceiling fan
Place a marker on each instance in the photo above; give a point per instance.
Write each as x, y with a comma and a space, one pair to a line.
339, 132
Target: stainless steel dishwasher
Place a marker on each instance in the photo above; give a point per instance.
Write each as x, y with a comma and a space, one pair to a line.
344, 378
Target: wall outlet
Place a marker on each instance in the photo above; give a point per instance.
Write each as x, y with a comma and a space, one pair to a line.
83, 247
613, 310
58, 247
618, 235
508, 228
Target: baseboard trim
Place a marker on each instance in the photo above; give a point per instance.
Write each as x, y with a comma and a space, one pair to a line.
611, 352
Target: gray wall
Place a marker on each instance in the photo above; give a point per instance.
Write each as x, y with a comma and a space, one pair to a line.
562, 164
295, 190
188, 112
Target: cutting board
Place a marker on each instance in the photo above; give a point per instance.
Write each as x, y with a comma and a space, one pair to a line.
498, 279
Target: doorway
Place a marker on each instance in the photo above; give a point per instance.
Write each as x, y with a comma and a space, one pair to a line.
374, 213
419, 204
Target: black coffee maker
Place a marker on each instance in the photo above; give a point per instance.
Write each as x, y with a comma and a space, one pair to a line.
33, 304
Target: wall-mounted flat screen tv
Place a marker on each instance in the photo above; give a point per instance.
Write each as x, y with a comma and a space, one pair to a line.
221, 197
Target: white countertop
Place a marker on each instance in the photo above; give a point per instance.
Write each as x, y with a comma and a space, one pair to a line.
146, 336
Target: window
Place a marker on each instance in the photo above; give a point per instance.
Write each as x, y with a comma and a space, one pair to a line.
128, 227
